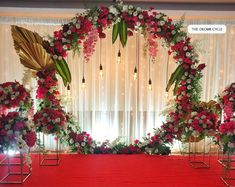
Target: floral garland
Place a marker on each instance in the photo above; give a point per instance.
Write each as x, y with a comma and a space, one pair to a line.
14, 95
84, 29
227, 101
50, 118
226, 135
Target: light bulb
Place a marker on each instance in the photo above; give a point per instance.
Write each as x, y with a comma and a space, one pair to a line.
83, 83
135, 73
119, 57
150, 84
101, 71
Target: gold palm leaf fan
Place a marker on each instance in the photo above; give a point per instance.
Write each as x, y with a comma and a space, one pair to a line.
29, 47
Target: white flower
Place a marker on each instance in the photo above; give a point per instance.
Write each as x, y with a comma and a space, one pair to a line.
51, 44
140, 16
69, 32
130, 7
159, 29
59, 57
125, 8
135, 14
195, 133
55, 56
190, 121
71, 141
77, 26
231, 145
77, 144
83, 144
203, 117
162, 23
193, 113
138, 9
158, 16
188, 81
188, 54
200, 121
191, 76
204, 126
176, 129
173, 32
65, 47
185, 48
183, 77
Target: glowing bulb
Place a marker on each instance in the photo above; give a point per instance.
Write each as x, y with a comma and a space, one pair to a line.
119, 57
135, 73
150, 84
101, 71
83, 83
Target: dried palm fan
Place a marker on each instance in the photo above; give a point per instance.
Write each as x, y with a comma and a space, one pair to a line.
29, 47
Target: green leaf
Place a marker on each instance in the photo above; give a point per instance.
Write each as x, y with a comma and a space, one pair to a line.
177, 81
63, 70
115, 32
174, 76
122, 29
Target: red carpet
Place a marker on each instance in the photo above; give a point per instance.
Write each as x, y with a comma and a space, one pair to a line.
122, 171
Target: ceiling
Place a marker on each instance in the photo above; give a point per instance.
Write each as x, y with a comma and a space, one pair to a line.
67, 8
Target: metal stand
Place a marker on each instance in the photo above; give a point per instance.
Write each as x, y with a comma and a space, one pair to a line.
12, 176
227, 175
199, 159
223, 158
46, 157
3, 162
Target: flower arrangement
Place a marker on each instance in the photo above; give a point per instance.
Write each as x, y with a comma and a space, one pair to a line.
227, 101
14, 95
16, 132
49, 120
227, 135
200, 124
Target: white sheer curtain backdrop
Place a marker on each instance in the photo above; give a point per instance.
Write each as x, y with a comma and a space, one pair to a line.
118, 105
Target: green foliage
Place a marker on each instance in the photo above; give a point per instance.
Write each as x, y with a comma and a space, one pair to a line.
120, 29
63, 70
197, 88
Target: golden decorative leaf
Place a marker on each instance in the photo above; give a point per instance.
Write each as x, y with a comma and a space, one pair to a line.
29, 47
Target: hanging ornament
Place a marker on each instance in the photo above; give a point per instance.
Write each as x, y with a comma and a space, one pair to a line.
150, 84
101, 67
83, 78
137, 57
119, 57
150, 81
83, 83
135, 73
101, 71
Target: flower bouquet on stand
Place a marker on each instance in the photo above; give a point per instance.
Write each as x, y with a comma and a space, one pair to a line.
17, 132
50, 118
199, 127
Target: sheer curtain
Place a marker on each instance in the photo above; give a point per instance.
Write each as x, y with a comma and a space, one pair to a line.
118, 105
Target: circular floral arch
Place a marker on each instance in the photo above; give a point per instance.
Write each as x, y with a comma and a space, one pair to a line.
84, 29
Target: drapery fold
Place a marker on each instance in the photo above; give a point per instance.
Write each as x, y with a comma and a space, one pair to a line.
118, 105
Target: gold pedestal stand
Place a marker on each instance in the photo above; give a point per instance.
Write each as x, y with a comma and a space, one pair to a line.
17, 170
228, 173
199, 157
48, 157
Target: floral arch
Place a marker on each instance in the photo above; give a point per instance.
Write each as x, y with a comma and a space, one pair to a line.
82, 33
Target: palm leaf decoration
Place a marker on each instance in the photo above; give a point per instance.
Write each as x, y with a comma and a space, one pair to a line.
175, 78
29, 47
32, 52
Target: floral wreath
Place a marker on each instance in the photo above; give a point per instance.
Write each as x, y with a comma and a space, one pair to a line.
83, 31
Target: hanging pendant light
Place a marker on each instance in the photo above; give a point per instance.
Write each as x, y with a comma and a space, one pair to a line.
83, 83
150, 81
83, 78
101, 71
101, 67
119, 57
135, 73
137, 57
150, 84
